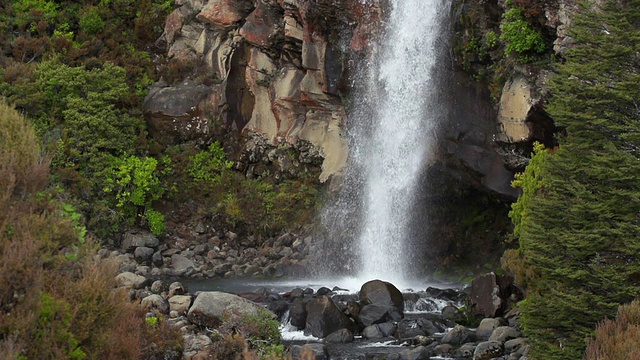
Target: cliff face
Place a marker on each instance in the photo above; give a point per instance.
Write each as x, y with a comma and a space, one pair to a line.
275, 68
281, 71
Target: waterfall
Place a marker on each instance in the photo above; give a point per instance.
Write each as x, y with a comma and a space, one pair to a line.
394, 115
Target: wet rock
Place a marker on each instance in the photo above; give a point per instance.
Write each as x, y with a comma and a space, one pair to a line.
443, 350
452, 313
489, 294
488, 350
319, 351
209, 307
324, 317
155, 303
385, 294
372, 332
465, 351
387, 329
340, 336
419, 353
298, 313
375, 314
458, 335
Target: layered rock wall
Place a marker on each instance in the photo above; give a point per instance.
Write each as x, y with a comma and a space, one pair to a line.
276, 68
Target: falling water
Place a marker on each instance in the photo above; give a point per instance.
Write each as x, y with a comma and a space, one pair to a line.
396, 111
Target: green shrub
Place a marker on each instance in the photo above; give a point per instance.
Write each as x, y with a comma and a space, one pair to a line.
520, 37
91, 22
207, 166
135, 182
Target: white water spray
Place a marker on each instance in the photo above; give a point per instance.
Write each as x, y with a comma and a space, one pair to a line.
397, 117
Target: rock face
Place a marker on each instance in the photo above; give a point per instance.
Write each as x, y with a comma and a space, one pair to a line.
209, 307
489, 294
268, 68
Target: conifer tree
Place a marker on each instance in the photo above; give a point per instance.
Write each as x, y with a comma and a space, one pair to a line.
580, 238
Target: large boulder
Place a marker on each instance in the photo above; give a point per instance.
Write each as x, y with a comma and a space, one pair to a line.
489, 294
384, 294
376, 314
324, 317
209, 308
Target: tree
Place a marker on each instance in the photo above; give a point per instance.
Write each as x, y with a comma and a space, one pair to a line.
580, 238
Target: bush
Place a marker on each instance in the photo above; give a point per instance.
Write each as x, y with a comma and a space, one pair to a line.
617, 339
136, 184
91, 22
520, 37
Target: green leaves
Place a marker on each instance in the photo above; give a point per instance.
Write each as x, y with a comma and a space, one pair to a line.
136, 184
519, 36
577, 220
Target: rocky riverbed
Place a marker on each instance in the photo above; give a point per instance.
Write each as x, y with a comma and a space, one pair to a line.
378, 321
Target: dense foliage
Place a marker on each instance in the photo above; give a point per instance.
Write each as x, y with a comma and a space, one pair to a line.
578, 224
56, 302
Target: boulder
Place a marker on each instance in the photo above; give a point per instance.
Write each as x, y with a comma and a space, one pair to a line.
155, 303
458, 335
489, 294
486, 327
157, 287
504, 333
488, 350
180, 303
514, 345
177, 288
181, 263
376, 314
210, 306
143, 254
382, 293
131, 280
137, 238
298, 313
340, 336
324, 317
387, 329
372, 332
464, 351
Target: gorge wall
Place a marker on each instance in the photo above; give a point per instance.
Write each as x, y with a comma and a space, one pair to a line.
277, 73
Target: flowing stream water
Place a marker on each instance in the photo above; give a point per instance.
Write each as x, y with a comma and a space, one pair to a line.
395, 113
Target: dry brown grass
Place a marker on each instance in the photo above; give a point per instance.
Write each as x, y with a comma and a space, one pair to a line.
52, 305
617, 339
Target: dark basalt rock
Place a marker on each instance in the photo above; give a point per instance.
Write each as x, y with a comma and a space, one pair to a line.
324, 317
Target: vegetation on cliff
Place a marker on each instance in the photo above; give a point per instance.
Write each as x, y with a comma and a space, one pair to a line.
577, 222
